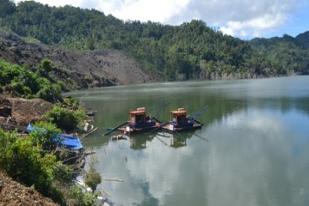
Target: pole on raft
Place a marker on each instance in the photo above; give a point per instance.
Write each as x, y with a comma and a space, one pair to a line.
199, 112
114, 129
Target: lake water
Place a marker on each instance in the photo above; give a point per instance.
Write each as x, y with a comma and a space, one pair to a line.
253, 149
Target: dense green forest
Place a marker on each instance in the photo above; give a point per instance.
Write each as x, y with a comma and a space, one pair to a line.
189, 51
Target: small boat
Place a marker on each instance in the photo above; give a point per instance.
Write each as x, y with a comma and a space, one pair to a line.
139, 122
181, 122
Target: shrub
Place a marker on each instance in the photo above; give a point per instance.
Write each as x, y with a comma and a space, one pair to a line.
51, 93
20, 89
25, 163
70, 102
44, 135
24, 83
66, 119
92, 177
81, 197
63, 173
46, 66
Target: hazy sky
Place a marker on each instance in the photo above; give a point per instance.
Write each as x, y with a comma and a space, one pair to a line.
241, 18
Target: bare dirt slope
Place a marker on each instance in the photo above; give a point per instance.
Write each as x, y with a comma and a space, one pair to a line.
86, 69
16, 113
13, 193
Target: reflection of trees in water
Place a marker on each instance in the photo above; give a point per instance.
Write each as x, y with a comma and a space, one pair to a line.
113, 112
219, 110
283, 104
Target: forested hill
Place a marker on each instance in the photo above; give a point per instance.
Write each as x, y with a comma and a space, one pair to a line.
189, 51
303, 39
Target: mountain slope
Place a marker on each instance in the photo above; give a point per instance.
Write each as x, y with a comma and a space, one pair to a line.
189, 51
78, 69
303, 39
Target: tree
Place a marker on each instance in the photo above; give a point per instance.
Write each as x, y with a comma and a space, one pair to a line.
66, 119
6, 8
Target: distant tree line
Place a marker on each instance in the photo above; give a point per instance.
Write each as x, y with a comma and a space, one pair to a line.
189, 51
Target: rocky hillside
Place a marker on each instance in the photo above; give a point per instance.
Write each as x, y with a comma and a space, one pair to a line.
83, 69
13, 193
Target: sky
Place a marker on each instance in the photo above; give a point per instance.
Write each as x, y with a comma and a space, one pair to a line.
245, 19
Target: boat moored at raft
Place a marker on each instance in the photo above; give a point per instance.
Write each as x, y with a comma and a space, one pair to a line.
139, 121
180, 121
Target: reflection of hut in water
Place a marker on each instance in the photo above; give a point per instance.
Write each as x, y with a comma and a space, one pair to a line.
176, 140
140, 141
180, 139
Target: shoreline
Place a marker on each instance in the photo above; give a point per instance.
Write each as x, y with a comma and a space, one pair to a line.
16, 113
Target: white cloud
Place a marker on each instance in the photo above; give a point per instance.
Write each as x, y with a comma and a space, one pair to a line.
253, 27
143, 10
239, 17
76, 3
244, 18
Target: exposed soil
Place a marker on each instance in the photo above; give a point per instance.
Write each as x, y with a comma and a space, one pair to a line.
18, 112
13, 194
84, 69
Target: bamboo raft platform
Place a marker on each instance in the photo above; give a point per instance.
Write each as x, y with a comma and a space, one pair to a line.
140, 122
180, 121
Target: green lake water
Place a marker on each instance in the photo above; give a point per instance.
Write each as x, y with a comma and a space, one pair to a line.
253, 149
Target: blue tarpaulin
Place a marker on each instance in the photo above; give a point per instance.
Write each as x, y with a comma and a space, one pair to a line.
64, 140
70, 142
30, 128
